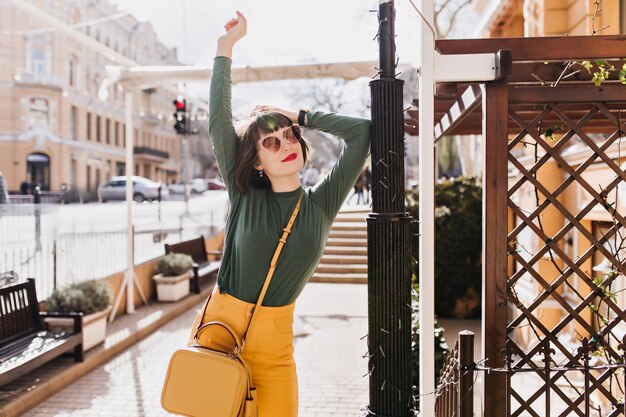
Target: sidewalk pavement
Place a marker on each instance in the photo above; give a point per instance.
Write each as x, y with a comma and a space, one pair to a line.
331, 320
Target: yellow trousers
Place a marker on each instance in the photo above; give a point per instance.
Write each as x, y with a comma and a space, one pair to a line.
268, 350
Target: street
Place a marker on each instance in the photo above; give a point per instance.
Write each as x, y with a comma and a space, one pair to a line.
67, 243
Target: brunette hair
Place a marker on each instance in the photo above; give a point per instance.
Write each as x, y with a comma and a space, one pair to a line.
249, 132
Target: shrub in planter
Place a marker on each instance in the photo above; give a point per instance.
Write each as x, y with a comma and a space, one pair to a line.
458, 236
93, 299
173, 276
86, 297
174, 264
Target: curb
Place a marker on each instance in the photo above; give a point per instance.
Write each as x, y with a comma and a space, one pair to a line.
30, 399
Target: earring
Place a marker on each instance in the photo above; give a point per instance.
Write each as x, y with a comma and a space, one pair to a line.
261, 173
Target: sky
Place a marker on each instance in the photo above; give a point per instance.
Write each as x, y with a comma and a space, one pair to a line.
280, 32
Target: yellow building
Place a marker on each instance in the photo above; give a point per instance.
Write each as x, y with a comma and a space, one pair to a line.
525, 18
54, 130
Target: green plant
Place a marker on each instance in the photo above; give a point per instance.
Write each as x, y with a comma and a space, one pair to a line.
174, 264
86, 297
458, 244
603, 71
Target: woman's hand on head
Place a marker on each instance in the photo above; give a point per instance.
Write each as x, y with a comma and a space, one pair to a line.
264, 108
236, 29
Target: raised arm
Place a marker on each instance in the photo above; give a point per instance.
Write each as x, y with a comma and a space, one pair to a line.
331, 192
221, 126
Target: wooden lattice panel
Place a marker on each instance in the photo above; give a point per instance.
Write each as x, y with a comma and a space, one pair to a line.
555, 297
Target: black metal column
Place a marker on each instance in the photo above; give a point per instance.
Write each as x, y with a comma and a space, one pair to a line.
389, 241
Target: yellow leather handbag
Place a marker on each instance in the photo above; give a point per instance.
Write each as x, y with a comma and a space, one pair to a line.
202, 382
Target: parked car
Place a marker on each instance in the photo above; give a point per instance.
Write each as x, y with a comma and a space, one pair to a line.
143, 189
196, 186
215, 184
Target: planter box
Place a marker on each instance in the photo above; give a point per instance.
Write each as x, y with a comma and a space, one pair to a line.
172, 288
94, 327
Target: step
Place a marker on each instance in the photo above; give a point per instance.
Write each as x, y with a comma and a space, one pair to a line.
345, 250
349, 226
354, 209
348, 234
350, 219
342, 269
339, 278
356, 243
348, 259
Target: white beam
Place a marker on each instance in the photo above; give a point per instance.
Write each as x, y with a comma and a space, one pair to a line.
427, 214
466, 67
151, 76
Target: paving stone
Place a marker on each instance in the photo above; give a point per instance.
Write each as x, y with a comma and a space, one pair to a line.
332, 320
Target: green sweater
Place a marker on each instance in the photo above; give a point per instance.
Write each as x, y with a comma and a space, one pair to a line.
256, 219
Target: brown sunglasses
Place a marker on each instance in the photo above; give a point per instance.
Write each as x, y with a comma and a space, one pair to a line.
292, 135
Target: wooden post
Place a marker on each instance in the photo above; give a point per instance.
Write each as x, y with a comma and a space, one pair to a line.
466, 374
494, 296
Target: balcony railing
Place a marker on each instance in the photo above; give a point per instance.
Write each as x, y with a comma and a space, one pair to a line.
151, 152
27, 77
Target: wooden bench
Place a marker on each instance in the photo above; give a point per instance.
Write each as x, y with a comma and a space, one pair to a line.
25, 343
203, 268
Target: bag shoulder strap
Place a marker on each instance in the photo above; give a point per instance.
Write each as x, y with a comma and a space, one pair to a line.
270, 273
268, 277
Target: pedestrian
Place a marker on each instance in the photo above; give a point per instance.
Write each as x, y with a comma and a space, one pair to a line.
25, 186
260, 162
367, 179
358, 190
4, 191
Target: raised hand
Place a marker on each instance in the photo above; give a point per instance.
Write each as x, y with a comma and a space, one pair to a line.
236, 29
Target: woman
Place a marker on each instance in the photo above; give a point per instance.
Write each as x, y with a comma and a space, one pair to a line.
260, 162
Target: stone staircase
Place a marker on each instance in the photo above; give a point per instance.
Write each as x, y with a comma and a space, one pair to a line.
345, 255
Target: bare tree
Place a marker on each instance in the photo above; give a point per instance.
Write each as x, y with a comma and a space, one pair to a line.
326, 95
446, 14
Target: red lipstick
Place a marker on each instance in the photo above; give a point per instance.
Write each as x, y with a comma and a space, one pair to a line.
290, 157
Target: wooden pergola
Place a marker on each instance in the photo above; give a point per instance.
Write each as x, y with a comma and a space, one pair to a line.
536, 63
546, 98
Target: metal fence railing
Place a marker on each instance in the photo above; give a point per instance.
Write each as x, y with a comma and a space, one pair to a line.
63, 244
455, 390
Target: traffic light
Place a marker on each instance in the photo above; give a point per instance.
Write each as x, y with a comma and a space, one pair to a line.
180, 117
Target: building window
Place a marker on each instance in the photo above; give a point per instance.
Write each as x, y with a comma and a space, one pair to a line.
98, 135
108, 131
73, 173
117, 133
74, 122
38, 112
88, 126
71, 72
120, 168
124, 134
38, 62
